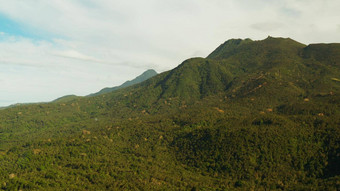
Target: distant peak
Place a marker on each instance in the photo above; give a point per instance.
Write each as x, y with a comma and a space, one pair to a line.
144, 76
275, 38
150, 71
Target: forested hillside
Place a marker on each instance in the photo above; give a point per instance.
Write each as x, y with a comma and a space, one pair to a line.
253, 115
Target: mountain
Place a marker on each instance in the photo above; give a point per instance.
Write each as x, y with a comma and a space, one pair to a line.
253, 115
146, 75
275, 66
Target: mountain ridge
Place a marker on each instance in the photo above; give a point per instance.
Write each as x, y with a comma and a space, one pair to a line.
144, 76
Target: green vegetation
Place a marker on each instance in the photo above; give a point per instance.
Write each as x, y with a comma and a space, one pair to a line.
253, 115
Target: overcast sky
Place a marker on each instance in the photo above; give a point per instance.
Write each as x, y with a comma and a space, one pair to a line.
51, 48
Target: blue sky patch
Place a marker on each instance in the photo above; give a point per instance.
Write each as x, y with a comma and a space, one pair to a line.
10, 27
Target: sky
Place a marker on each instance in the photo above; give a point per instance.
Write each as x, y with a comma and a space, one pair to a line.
53, 48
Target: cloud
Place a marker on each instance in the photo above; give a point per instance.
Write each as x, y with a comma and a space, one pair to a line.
290, 12
75, 55
267, 27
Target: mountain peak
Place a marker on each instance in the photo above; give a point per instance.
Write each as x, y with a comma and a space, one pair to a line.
281, 40
233, 47
149, 72
228, 47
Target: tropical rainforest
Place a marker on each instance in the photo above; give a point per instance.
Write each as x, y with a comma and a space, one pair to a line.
253, 115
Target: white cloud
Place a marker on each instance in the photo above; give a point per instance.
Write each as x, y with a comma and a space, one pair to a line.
267, 26
91, 44
75, 55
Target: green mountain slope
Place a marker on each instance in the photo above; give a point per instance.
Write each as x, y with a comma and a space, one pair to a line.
275, 67
253, 115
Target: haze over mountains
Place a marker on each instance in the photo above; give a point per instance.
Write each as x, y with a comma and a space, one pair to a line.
253, 115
